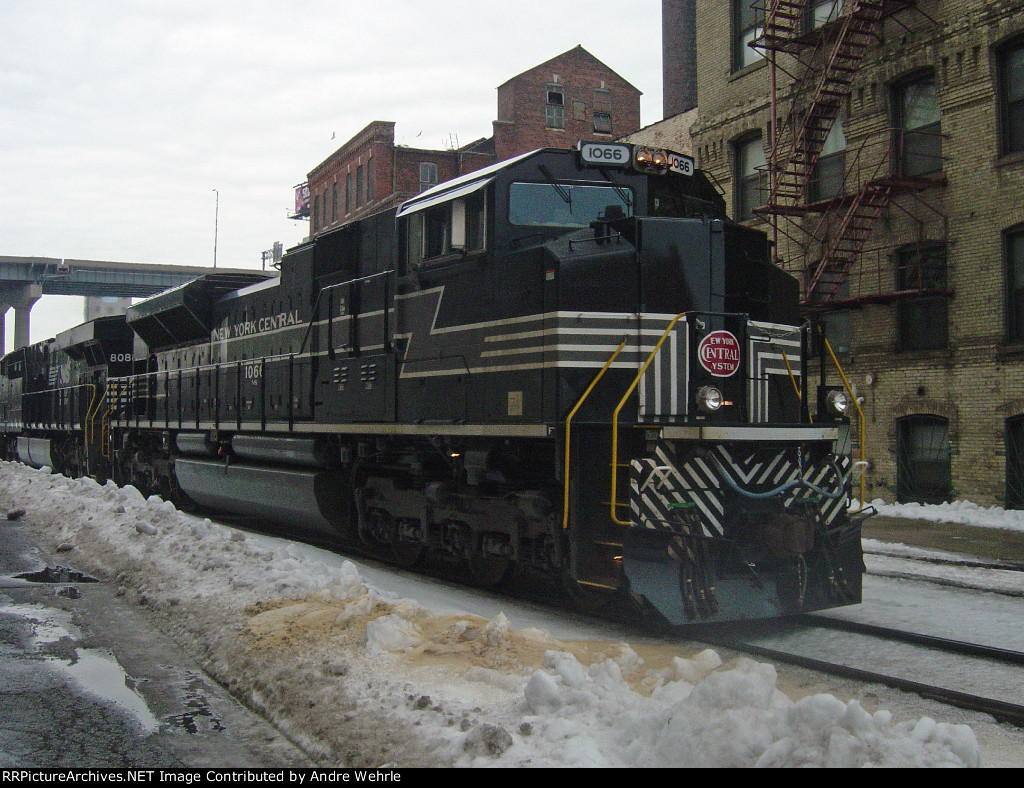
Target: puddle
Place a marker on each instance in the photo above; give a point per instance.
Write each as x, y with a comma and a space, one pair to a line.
48, 624
56, 574
99, 674
93, 671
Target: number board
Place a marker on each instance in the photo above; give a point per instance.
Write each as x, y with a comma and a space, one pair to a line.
679, 163
610, 154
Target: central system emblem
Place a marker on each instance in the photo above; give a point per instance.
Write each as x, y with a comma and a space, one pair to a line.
719, 353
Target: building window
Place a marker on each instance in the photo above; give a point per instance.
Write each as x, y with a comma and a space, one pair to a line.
748, 17
835, 325
369, 180
1011, 97
923, 468
359, 186
603, 111
919, 140
554, 108
334, 202
829, 171
821, 12
428, 175
922, 321
348, 194
1013, 250
1015, 462
316, 213
749, 190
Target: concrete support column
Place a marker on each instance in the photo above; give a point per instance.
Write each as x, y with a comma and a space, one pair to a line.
3, 327
22, 298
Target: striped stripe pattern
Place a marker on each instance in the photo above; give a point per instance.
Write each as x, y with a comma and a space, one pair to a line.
767, 342
662, 485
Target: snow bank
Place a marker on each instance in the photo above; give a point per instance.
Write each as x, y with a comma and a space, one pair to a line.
963, 512
338, 665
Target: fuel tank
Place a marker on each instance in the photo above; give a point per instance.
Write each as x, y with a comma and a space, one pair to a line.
313, 499
34, 451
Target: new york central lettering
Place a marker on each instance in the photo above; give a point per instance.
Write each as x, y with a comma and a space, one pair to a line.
260, 325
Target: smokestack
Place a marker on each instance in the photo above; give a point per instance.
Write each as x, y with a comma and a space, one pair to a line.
678, 56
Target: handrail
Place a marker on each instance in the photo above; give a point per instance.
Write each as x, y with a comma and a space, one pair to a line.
72, 387
792, 379
860, 413
568, 420
112, 402
618, 408
88, 415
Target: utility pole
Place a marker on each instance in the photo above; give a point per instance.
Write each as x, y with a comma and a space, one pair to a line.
216, 220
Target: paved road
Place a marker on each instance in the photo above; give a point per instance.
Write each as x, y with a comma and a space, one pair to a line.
86, 682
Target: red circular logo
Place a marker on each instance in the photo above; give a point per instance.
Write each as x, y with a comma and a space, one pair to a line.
719, 353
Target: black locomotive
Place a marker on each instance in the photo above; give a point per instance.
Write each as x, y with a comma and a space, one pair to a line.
570, 363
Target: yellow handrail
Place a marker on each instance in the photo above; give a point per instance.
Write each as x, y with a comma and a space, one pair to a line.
792, 379
113, 401
618, 408
568, 420
89, 414
860, 413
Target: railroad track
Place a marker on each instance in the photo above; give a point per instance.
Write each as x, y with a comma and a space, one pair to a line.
967, 675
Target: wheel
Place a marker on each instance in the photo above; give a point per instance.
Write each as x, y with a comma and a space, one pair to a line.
407, 554
383, 530
490, 571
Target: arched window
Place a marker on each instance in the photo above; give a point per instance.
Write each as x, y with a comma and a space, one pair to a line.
923, 467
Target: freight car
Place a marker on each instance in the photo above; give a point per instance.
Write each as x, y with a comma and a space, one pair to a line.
570, 363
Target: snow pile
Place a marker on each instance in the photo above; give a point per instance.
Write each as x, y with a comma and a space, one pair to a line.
729, 718
963, 512
359, 676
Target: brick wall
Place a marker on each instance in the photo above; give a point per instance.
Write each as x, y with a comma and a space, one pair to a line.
521, 123
521, 127
977, 382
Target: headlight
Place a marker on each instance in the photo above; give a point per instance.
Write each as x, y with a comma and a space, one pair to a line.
660, 159
643, 157
709, 399
837, 402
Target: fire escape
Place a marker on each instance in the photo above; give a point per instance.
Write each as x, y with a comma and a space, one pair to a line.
821, 238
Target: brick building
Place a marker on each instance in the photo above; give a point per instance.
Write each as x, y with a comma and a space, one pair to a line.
892, 182
569, 98
369, 173
555, 104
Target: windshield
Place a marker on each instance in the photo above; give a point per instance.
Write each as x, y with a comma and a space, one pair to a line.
567, 205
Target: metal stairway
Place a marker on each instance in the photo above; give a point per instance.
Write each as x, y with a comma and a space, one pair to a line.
840, 50
829, 56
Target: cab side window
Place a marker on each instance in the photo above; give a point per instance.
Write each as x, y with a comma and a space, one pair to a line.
438, 233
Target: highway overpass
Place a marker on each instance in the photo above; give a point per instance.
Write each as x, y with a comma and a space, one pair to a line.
24, 280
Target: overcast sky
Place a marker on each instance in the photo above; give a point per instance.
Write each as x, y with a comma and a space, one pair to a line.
120, 118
